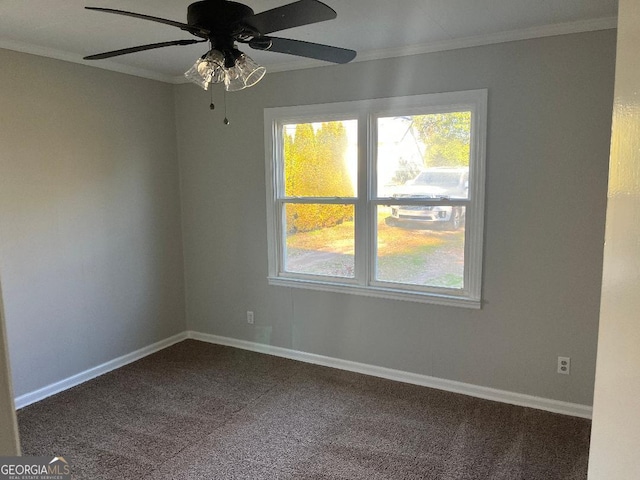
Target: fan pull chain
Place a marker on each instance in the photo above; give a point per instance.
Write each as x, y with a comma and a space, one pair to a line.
224, 101
226, 120
211, 105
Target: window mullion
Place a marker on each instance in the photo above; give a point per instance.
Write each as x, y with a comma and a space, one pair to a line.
320, 200
372, 193
362, 239
422, 202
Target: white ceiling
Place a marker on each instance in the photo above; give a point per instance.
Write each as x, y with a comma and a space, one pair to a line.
374, 28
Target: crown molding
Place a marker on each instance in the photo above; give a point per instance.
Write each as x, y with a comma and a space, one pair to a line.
76, 58
494, 38
591, 25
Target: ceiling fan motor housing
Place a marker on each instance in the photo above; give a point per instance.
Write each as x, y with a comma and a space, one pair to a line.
222, 17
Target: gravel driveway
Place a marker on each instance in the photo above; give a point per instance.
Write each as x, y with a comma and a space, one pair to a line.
441, 266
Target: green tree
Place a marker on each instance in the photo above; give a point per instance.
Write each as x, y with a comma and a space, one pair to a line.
315, 167
289, 165
406, 171
300, 161
331, 146
446, 136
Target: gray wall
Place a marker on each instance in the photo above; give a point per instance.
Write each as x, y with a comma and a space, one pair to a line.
550, 106
90, 234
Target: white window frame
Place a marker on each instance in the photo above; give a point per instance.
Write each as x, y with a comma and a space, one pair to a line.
365, 203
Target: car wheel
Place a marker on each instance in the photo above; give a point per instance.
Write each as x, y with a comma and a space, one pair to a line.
391, 221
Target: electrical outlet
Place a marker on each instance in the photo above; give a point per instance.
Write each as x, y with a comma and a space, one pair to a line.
250, 318
564, 365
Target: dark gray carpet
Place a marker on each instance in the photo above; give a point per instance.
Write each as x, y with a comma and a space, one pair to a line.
200, 411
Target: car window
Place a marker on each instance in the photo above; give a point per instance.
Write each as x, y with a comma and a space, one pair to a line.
441, 179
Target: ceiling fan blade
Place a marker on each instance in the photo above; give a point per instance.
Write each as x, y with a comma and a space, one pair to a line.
317, 51
141, 48
302, 12
183, 26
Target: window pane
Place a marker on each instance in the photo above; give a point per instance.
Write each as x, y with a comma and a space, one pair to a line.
321, 159
320, 239
421, 246
424, 156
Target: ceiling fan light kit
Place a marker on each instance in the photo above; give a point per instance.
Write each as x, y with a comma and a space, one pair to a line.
241, 73
223, 24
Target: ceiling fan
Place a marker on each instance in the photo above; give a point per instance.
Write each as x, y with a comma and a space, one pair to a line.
224, 23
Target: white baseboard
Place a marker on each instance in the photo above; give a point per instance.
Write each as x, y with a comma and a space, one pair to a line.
42, 393
555, 406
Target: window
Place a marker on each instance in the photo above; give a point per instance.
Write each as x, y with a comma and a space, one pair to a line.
380, 197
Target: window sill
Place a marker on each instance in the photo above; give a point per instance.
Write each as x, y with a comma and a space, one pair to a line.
379, 292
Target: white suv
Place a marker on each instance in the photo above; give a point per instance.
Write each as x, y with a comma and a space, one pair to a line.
437, 182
